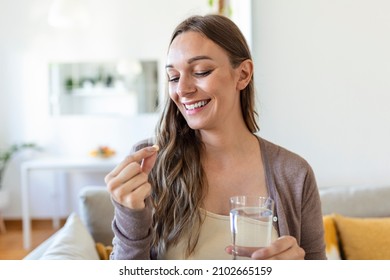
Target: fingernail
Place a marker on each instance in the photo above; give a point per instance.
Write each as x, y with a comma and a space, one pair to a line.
153, 148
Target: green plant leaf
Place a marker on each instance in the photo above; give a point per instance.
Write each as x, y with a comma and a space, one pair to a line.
5, 156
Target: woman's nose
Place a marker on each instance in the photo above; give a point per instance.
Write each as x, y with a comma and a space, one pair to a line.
185, 86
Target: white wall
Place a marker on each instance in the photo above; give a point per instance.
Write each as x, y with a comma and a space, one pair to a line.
322, 73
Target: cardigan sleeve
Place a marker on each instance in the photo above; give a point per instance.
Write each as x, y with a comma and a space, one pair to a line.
132, 230
291, 183
312, 229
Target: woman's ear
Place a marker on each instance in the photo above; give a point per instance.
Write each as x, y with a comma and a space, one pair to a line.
245, 72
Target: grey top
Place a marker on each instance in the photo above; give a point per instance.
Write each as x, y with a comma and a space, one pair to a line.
290, 182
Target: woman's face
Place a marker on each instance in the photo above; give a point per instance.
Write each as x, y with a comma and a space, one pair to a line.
202, 82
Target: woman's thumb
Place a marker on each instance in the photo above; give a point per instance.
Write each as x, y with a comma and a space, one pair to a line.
148, 162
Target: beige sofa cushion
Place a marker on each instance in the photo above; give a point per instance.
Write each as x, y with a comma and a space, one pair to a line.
97, 213
356, 201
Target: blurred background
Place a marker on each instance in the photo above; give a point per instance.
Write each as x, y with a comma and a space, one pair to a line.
79, 75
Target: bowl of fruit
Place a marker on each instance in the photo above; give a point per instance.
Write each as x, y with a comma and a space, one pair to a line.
102, 152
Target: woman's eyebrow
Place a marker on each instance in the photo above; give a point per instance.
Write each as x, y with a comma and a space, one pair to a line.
192, 59
199, 57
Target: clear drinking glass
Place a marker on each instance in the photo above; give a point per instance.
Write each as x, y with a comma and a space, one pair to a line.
250, 223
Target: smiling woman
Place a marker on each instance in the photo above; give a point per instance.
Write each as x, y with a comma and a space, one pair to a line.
168, 206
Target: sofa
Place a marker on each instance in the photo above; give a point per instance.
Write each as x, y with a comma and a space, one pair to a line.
356, 223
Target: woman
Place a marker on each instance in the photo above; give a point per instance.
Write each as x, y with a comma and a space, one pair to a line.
168, 202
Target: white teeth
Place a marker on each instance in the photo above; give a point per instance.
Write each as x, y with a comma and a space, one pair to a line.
196, 105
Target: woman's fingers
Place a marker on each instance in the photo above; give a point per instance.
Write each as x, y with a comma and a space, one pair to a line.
126, 174
284, 248
133, 199
135, 157
128, 181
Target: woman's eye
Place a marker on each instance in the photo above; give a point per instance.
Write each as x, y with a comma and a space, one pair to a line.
203, 73
173, 79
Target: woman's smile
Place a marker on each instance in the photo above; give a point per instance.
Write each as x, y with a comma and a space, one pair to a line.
194, 107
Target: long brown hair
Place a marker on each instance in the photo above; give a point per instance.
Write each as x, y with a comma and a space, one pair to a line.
178, 178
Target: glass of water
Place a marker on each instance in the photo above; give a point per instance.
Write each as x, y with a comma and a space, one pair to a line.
250, 223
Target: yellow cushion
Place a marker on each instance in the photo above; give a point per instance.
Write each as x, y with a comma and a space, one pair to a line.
364, 238
103, 251
331, 240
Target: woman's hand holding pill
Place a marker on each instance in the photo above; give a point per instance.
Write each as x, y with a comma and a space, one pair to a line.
128, 181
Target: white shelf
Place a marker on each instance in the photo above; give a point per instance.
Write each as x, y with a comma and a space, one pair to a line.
100, 92
126, 94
